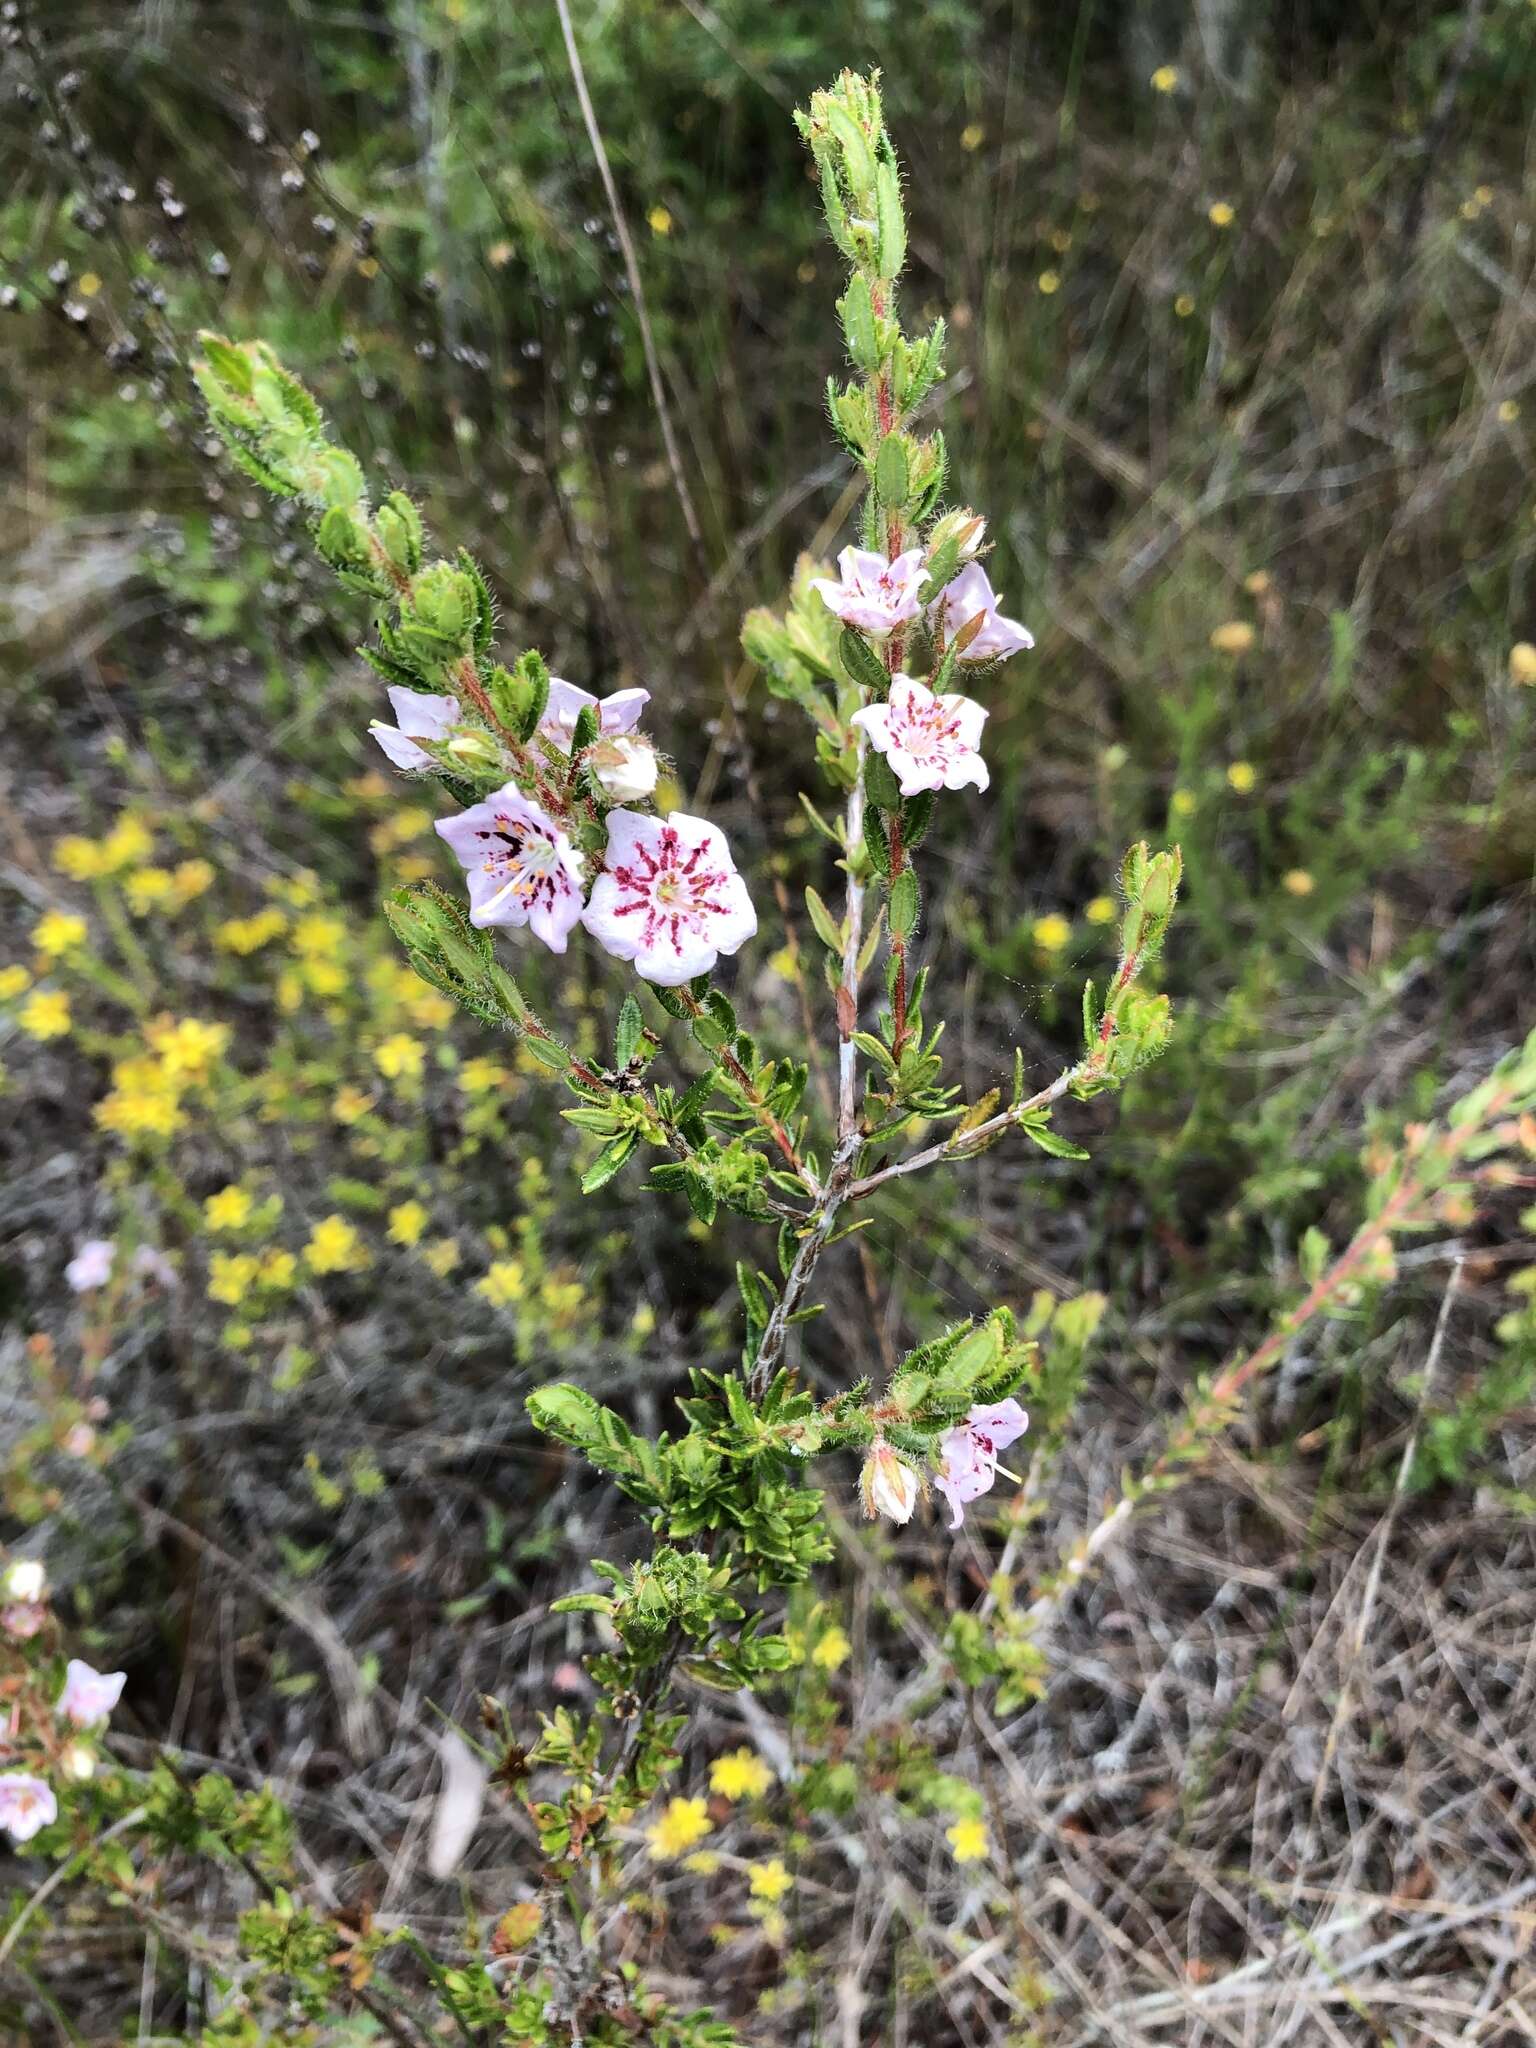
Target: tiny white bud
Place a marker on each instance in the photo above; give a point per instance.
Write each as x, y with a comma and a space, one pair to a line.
624, 767
78, 1761
888, 1485
26, 1579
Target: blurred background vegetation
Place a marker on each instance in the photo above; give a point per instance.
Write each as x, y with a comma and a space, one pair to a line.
1242, 312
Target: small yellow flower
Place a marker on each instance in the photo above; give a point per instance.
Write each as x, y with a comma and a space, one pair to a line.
14, 981
1522, 663
1052, 932
191, 879
1509, 412
741, 1775
702, 1863
480, 1076
249, 934
334, 1246
231, 1275
659, 221
972, 136
1297, 882
400, 1058
969, 1841
770, 1881
1183, 306
128, 845
318, 937
1256, 582
1049, 281
147, 889
1165, 78
1102, 910
407, 1222
1183, 803
229, 1209
349, 1103
58, 932
832, 1649
1242, 777
442, 1255
45, 1014
187, 1046
503, 1283
681, 1823
79, 858
279, 1269
1235, 637
1221, 215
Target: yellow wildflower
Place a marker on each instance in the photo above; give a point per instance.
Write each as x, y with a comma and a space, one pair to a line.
503, 1283
702, 1863
317, 936
1049, 281
1052, 932
45, 1014
659, 221
325, 977
187, 1046
79, 858
407, 1222
1221, 214
349, 1103
58, 932
1243, 777
1101, 910
1183, 803
334, 1246
1297, 882
1235, 637
681, 1823
1165, 78
1522, 663
770, 1880
192, 878
1183, 306
480, 1076
969, 1841
741, 1775
127, 845
248, 934
279, 1269
147, 889
14, 981
442, 1255
231, 1276
229, 1209
400, 1058
832, 1649
972, 136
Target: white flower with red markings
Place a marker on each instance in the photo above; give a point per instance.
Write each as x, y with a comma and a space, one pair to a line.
930, 742
669, 897
970, 597
521, 868
873, 594
26, 1804
617, 714
888, 1484
968, 1453
421, 717
89, 1695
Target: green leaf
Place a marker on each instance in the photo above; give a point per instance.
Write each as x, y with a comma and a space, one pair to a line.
826, 928
905, 904
627, 1035
1049, 1141
893, 473
864, 666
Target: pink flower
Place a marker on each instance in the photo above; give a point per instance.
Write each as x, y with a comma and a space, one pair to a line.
873, 594
23, 1619
26, 1804
91, 1267
968, 1454
422, 717
616, 714
89, 1696
971, 596
150, 1264
930, 742
521, 867
669, 897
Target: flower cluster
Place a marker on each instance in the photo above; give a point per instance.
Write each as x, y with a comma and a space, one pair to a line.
50, 1735
563, 833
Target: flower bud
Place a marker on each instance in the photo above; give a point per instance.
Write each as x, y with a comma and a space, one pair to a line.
467, 748
888, 1485
624, 767
78, 1761
26, 1579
